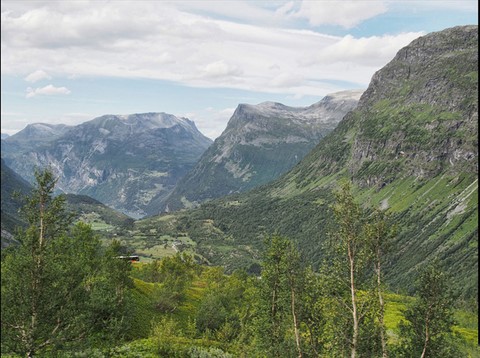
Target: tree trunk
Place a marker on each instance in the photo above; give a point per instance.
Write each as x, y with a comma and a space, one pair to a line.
37, 273
354, 303
382, 307
427, 338
295, 325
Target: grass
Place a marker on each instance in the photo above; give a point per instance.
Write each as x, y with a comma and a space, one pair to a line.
395, 305
466, 322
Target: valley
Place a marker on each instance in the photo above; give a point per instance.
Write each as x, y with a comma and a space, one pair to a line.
269, 228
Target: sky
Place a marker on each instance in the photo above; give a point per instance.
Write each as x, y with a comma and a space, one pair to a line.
71, 61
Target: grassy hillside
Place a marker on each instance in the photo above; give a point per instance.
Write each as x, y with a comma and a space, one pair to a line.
178, 330
93, 212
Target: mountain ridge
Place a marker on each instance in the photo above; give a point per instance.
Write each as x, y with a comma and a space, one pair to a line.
120, 160
260, 143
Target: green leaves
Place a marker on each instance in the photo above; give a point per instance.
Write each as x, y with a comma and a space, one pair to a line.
59, 287
427, 331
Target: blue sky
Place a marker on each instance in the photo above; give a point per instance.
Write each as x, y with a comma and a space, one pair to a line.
71, 61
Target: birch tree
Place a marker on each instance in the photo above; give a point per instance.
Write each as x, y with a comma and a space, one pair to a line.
280, 290
427, 331
350, 244
379, 234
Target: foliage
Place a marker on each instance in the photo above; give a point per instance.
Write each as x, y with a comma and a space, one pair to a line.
427, 331
280, 286
59, 288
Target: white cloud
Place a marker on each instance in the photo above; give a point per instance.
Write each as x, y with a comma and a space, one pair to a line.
367, 51
220, 69
344, 13
287, 79
37, 76
48, 90
199, 44
453, 5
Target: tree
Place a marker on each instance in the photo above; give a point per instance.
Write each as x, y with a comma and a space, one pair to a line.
52, 284
280, 286
379, 235
350, 243
174, 274
313, 312
427, 332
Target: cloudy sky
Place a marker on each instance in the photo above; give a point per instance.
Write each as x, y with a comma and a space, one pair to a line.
71, 61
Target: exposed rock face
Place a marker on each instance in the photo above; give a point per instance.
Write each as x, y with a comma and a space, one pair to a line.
122, 161
260, 143
419, 115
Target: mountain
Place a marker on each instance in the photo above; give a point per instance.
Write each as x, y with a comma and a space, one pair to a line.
121, 160
410, 147
260, 143
4, 135
12, 183
39, 132
32, 136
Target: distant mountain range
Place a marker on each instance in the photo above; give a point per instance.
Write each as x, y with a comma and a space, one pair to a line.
260, 143
134, 163
122, 161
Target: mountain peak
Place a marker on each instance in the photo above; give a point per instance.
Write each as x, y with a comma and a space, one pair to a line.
39, 131
260, 143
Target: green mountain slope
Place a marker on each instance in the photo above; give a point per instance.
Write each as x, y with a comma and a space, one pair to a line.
11, 184
410, 146
95, 213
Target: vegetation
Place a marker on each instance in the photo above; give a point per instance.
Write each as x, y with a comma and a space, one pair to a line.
59, 287
63, 294
429, 319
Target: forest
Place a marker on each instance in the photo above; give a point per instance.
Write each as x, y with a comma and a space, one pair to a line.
65, 294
